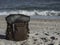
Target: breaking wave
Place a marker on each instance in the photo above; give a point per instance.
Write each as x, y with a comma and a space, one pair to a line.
32, 12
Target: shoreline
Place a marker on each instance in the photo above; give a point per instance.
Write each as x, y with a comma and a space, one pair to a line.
42, 18
45, 17
39, 17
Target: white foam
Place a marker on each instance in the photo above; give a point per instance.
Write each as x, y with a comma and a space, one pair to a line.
33, 12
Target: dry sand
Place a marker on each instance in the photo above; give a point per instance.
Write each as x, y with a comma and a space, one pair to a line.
42, 32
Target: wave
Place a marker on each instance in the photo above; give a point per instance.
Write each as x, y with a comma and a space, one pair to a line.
32, 12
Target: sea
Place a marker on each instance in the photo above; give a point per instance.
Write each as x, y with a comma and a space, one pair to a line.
31, 7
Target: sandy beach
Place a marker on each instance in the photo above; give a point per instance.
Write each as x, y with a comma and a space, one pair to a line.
42, 32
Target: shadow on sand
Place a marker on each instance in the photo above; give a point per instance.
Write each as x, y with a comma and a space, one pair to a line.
2, 36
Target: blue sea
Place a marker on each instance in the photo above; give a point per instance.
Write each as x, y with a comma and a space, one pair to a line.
30, 7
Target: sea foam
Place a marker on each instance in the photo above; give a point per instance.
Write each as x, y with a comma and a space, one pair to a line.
32, 12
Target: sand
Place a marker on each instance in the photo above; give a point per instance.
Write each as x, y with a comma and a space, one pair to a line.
42, 32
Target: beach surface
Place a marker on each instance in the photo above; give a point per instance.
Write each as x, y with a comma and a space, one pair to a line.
42, 32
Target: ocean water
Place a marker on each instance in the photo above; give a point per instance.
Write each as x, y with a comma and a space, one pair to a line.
30, 7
